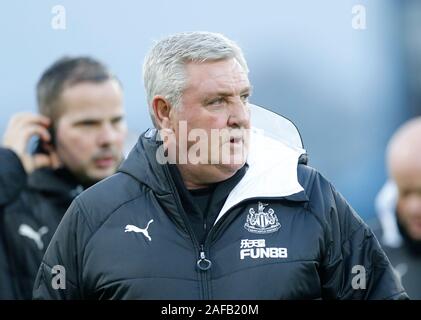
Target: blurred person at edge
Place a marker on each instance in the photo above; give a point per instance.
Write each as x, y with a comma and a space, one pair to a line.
398, 206
80, 132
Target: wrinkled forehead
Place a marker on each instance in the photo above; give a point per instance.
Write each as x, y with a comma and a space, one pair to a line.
220, 75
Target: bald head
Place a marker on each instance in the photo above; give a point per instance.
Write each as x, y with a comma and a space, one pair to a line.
404, 163
404, 149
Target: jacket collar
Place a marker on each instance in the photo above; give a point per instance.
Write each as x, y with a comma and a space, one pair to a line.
58, 182
272, 173
272, 169
385, 204
142, 164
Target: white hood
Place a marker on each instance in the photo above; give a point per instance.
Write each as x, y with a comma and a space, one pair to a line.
385, 203
275, 148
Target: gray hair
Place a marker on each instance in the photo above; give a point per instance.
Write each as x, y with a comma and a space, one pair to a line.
164, 66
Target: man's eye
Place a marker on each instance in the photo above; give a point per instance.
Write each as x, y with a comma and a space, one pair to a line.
245, 97
87, 123
117, 120
217, 101
405, 193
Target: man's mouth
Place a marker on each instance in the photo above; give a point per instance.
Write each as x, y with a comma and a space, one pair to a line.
105, 162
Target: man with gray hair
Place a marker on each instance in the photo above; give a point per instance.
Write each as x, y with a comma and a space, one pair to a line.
208, 207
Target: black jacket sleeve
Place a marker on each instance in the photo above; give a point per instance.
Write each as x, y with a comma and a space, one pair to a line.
6, 286
59, 274
354, 264
12, 182
12, 176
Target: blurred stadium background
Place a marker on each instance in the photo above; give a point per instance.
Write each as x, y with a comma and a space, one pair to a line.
347, 90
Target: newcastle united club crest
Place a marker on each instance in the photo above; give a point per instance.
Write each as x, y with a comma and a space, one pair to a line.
262, 222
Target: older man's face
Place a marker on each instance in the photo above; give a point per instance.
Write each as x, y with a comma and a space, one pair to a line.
215, 102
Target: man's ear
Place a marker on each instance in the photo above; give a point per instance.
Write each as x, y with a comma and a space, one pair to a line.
161, 109
52, 131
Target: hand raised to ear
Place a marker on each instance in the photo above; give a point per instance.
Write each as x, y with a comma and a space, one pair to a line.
20, 129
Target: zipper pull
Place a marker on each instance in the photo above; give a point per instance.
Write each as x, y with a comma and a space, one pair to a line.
203, 263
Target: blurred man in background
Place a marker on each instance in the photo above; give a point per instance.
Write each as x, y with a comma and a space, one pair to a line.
79, 132
399, 206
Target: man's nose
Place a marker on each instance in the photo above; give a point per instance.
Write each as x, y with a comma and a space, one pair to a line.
107, 135
239, 114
